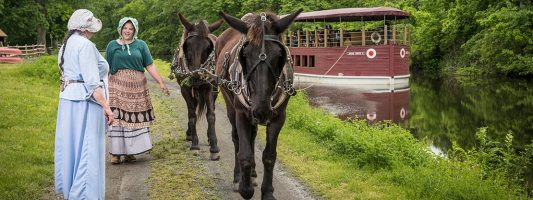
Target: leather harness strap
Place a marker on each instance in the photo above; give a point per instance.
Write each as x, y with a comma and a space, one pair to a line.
238, 80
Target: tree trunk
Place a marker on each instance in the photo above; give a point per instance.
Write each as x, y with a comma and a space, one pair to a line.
41, 28
41, 35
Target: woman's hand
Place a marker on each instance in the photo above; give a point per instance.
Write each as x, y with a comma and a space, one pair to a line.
164, 88
153, 72
98, 95
109, 116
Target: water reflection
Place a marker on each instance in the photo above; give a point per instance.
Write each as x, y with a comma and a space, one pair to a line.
361, 103
453, 108
440, 110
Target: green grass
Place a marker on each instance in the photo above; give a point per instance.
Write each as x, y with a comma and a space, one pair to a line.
352, 160
175, 173
28, 106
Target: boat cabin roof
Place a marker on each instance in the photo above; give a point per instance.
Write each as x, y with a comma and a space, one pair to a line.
352, 14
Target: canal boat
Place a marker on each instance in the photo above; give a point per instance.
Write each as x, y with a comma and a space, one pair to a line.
10, 55
362, 47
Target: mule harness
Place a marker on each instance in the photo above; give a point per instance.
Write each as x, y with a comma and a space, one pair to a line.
180, 67
238, 82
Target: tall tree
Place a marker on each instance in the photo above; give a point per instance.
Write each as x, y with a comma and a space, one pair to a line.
41, 27
19, 20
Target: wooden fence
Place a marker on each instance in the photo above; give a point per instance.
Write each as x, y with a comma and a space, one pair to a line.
31, 50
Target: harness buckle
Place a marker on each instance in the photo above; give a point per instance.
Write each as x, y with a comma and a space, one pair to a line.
262, 56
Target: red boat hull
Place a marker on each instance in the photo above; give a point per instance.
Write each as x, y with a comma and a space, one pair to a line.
382, 66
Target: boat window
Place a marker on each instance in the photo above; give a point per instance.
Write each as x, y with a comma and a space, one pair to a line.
311, 61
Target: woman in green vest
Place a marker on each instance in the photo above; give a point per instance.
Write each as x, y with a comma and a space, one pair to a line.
129, 99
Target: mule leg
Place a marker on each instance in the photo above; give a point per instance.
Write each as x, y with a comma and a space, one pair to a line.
230, 111
187, 97
245, 154
191, 102
252, 143
269, 156
210, 115
236, 166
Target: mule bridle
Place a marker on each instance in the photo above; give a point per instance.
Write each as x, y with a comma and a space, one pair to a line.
284, 82
238, 82
180, 67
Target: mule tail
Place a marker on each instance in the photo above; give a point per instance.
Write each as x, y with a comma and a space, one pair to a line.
201, 106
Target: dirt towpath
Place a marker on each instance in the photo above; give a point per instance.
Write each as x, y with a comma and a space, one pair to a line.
128, 181
131, 180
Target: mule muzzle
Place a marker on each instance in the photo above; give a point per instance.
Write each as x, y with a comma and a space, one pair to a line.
262, 115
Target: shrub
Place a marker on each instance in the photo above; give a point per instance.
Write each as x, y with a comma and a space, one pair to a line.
45, 68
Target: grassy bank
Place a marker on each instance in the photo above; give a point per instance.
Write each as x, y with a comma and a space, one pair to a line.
28, 106
351, 160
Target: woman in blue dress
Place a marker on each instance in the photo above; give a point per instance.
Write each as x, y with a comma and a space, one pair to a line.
82, 112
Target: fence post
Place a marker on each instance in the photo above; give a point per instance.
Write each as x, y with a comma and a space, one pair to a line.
316, 38
290, 39
326, 33
385, 34
306, 38
341, 35
363, 37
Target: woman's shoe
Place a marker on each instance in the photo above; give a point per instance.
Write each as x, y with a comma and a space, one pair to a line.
115, 159
130, 158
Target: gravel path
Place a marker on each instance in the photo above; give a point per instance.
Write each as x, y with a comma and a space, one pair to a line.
285, 186
129, 180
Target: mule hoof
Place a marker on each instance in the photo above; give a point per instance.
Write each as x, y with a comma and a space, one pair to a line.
195, 152
246, 193
215, 156
236, 187
268, 196
254, 182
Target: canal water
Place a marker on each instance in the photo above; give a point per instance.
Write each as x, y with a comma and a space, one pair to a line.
440, 110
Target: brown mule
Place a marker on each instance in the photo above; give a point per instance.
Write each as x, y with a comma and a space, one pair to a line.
256, 72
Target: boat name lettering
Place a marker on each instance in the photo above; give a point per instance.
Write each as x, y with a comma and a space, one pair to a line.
355, 53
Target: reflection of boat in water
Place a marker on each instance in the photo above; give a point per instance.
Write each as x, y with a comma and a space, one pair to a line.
337, 53
369, 104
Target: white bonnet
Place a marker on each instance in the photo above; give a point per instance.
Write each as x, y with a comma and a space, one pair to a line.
123, 21
84, 20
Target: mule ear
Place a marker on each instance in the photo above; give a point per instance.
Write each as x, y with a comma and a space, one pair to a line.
214, 26
234, 22
185, 23
284, 23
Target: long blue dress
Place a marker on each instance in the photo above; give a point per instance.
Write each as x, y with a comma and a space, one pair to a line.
80, 129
